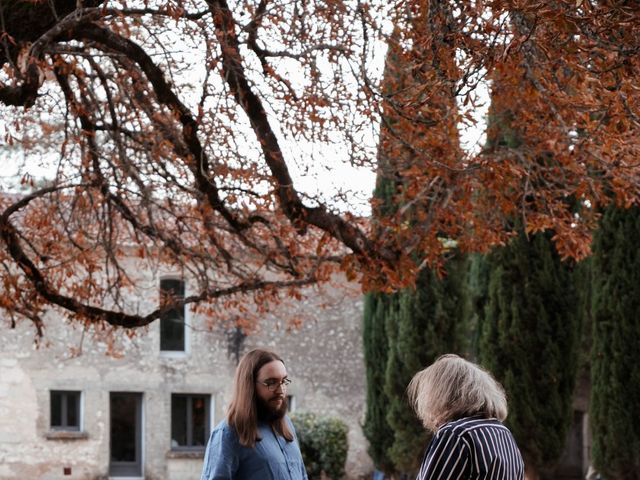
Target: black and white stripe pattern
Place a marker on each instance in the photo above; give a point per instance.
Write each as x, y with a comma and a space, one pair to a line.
472, 448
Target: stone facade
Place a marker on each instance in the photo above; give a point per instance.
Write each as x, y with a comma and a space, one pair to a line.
323, 356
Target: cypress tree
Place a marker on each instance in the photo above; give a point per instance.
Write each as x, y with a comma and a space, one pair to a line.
421, 324
529, 326
377, 308
615, 377
474, 295
530, 339
376, 429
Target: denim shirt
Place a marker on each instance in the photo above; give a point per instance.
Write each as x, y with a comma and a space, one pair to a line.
272, 458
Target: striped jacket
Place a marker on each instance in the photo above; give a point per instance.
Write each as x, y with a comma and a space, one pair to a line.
472, 448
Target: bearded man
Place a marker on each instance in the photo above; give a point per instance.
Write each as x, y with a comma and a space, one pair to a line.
257, 440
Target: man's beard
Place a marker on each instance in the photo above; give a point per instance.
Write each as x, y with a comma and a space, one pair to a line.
268, 411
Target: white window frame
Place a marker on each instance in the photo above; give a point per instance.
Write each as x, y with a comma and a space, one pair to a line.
210, 421
80, 428
187, 321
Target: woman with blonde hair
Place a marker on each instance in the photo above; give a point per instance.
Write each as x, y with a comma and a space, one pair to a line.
464, 406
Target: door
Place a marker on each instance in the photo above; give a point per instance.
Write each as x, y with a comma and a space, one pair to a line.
126, 434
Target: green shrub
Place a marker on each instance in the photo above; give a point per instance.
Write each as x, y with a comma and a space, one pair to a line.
323, 443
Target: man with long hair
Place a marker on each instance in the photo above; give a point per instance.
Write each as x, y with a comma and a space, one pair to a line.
257, 440
464, 406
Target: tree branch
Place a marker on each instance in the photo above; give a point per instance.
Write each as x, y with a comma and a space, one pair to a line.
290, 201
9, 235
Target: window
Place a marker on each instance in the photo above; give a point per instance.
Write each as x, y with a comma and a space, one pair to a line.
189, 421
291, 403
172, 331
65, 410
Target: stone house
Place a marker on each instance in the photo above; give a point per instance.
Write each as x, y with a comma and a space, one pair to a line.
69, 410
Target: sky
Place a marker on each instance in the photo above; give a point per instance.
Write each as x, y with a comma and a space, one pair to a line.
328, 172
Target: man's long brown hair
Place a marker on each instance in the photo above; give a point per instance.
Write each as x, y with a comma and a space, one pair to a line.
243, 412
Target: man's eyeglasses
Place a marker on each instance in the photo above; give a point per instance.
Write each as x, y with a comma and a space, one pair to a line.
273, 385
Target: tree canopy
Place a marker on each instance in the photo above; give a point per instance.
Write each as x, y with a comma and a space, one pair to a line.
173, 128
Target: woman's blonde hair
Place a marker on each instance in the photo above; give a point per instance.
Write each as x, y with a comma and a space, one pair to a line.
453, 388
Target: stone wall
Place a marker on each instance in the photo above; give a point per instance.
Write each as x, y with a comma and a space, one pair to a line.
323, 356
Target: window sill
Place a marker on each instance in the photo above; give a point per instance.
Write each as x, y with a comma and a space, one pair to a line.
174, 354
195, 454
65, 435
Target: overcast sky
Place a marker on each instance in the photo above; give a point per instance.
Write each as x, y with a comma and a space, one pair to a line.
318, 170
